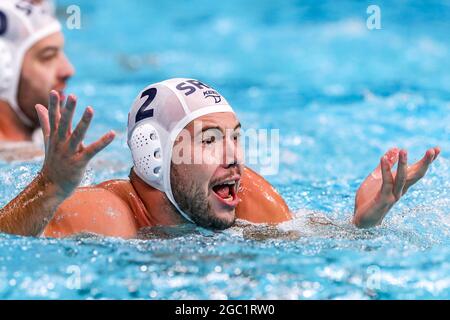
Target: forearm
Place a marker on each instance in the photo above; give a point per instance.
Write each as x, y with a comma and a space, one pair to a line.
29, 213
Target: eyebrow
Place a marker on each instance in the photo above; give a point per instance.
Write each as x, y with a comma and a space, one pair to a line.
215, 127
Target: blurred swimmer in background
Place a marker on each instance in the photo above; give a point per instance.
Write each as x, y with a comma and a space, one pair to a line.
32, 63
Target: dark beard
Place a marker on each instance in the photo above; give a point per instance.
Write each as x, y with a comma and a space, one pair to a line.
192, 200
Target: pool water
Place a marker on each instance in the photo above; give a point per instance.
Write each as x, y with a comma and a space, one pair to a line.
340, 94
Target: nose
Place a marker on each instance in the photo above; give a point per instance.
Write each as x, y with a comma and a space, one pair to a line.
233, 153
66, 69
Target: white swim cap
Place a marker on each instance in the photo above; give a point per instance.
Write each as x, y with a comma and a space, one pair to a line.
22, 24
158, 115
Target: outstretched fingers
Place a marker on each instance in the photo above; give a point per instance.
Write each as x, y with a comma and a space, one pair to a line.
388, 179
437, 151
65, 123
80, 130
391, 157
54, 113
42, 113
402, 172
420, 168
91, 150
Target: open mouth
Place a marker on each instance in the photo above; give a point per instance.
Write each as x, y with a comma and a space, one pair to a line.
226, 191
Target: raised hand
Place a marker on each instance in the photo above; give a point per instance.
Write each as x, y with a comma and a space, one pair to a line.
383, 188
66, 157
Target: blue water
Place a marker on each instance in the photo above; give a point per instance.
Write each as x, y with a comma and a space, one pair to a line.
341, 96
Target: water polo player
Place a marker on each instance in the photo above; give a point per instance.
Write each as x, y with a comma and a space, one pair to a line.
32, 63
176, 115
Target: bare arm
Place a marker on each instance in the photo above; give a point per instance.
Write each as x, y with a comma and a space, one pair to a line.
32, 209
66, 159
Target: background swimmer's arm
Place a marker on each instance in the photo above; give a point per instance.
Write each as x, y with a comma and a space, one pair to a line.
260, 202
382, 188
65, 162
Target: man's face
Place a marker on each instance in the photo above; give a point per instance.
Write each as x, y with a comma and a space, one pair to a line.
45, 68
206, 188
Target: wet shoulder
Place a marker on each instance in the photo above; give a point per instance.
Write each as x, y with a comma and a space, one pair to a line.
260, 202
93, 210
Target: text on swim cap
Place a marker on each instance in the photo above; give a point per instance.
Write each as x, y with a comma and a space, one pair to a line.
26, 6
144, 112
212, 94
195, 84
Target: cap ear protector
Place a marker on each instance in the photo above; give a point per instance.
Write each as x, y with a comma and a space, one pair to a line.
146, 150
158, 115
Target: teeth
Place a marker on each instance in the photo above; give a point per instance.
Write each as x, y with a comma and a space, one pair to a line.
229, 183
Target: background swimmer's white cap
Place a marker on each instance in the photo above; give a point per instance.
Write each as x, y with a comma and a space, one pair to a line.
158, 115
22, 24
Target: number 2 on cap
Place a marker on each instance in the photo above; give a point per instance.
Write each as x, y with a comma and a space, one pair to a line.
143, 112
3, 23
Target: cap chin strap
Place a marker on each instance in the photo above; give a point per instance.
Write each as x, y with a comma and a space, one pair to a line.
172, 138
22, 116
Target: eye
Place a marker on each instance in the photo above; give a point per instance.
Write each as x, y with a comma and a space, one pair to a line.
237, 136
48, 55
211, 137
209, 140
